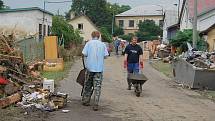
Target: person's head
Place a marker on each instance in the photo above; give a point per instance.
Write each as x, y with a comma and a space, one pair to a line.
134, 40
95, 34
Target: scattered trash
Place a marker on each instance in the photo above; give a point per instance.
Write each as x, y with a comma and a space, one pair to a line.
200, 59
20, 83
65, 111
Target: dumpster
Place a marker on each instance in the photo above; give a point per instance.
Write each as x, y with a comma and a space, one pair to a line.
195, 78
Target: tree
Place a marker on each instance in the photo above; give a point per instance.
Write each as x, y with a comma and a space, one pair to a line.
182, 37
60, 28
99, 11
118, 31
1, 4
124, 8
106, 37
127, 37
148, 30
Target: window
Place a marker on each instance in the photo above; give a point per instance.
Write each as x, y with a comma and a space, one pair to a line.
49, 30
40, 31
80, 26
214, 44
121, 23
131, 23
161, 23
44, 30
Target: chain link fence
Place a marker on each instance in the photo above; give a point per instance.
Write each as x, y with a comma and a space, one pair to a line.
32, 49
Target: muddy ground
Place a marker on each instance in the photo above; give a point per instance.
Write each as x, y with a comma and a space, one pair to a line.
162, 99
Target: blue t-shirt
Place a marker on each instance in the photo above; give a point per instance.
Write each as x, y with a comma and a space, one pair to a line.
95, 51
116, 43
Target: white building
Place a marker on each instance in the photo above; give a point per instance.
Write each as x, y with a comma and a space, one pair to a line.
170, 19
130, 19
84, 25
26, 22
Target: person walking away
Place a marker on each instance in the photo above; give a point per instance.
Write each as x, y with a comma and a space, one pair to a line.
133, 59
116, 45
95, 51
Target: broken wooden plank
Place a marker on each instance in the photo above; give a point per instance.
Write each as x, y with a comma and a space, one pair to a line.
2, 69
10, 89
9, 56
4, 102
6, 43
16, 78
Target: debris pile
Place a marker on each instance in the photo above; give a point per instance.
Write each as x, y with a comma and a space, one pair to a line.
199, 59
203, 60
21, 83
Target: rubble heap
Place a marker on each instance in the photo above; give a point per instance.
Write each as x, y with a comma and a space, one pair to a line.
200, 59
20, 82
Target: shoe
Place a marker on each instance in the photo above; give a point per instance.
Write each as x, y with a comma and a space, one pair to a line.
129, 88
85, 104
95, 107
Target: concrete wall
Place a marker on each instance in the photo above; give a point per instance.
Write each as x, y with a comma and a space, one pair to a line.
192, 77
136, 19
88, 27
23, 23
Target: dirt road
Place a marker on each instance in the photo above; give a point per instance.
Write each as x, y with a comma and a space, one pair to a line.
161, 100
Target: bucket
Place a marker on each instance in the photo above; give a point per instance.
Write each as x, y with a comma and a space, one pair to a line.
48, 84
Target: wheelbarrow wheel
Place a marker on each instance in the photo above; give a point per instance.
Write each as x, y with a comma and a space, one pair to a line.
138, 89
138, 94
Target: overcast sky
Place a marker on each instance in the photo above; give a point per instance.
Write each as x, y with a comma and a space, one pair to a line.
64, 7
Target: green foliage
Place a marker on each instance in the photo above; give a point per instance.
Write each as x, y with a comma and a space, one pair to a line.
116, 8
118, 31
60, 27
148, 30
58, 75
182, 37
99, 11
1, 4
106, 37
126, 37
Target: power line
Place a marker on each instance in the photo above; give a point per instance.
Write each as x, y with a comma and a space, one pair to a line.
57, 1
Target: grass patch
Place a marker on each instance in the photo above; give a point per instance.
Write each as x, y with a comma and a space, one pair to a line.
58, 75
208, 94
165, 68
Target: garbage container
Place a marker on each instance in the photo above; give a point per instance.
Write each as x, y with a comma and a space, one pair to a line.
185, 73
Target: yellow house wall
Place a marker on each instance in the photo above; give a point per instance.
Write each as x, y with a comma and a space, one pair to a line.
136, 19
88, 28
211, 40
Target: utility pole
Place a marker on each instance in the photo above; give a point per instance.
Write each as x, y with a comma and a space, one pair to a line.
179, 3
58, 12
113, 24
44, 8
195, 35
112, 28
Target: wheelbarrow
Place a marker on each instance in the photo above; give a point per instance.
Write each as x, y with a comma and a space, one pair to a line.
137, 80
